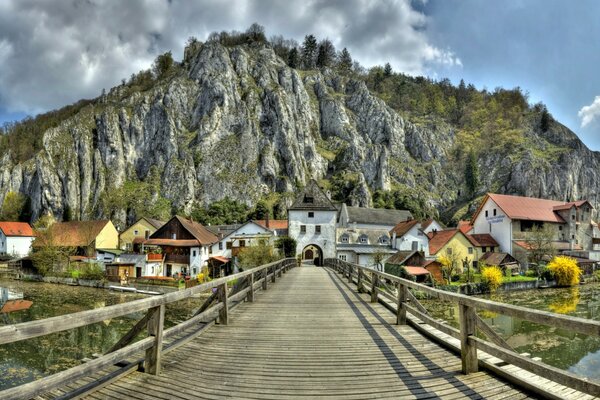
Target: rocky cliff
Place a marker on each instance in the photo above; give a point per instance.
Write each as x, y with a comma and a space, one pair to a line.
238, 122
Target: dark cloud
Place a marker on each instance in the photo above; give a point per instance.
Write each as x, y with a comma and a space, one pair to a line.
57, 52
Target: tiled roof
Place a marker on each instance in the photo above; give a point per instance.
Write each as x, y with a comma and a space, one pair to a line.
400, 257
222, 230
198, 231
376, 216
438, 239
416, 271
497, 258
16, 229
74, 233
312, 198
558, 245
465, 226
155, 222
402, 227
273, 223
482, 240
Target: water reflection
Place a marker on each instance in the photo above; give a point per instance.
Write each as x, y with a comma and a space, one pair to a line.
24, 361
561, 348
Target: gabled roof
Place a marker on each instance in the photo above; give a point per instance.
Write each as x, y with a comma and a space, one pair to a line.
557, 244
74, 233
401, 256
198, 231
274, 224
376, 216
465, 226
312, 198
402, 227
155, 222
439, 239
497, 258
416, 271
16, 229
529, 208
482, 240
222, 231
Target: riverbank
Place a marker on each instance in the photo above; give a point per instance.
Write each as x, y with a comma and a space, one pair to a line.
96, 283
471, 289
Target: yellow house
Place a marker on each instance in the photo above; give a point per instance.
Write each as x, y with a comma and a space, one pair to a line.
454, 244
85, 236
139, 231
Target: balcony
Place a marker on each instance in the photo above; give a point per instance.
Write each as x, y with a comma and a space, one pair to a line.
154, 257
177, 258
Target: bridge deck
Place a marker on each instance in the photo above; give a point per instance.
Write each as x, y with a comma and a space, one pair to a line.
309, 336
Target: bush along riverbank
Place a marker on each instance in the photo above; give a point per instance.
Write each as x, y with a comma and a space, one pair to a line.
483, 288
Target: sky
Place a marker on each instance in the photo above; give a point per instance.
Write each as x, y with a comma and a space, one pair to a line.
55, 53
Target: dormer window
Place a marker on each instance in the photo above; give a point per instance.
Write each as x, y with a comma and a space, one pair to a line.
309, 199
363, 239
384, 240
344, 238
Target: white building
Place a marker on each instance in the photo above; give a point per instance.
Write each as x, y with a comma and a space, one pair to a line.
412, 235
231, 241
312, 223
15, 238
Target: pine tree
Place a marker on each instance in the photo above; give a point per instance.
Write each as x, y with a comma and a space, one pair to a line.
472, 173
325, 54
545, 120
309, 52
387, 70
293, 60
344, 62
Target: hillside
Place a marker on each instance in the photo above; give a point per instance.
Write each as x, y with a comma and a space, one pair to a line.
235, 121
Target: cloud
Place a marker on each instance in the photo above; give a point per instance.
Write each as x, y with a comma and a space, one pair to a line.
588, 114
54, 53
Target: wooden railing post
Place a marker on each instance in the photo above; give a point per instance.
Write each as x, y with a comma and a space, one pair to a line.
155, 329
375, 283
265, 274
274, 268
250, 295
350, 273
401, 309
468, 349
359, 288
224, 312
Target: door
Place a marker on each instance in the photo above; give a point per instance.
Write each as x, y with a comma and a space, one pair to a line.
138, 272
169, 270
309, 254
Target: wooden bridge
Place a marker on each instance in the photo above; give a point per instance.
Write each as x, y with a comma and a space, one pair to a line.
284, 332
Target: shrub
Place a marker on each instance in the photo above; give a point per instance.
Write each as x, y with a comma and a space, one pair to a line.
492, 276
565, 270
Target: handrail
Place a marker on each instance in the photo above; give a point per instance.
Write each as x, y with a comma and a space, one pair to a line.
154, 319
469, 322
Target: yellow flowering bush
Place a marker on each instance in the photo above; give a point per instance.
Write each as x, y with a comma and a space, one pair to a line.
565, 270
492, 276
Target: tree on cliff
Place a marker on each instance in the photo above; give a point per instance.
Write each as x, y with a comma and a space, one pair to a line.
325, 54
345, 61
472, 173
309, 52
12, 206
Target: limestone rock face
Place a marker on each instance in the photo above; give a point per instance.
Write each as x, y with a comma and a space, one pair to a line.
237, 122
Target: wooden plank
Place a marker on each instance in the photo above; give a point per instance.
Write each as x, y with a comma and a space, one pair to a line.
153, 357
491, 334
224, 313
401, 305
468, 348
133, 332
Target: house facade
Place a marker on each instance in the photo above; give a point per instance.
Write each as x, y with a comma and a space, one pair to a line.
88, 238
511, 219
312, 223
137, 233
185, 246
453, 244
15, 238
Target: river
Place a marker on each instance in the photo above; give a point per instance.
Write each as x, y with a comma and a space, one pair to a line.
27, 360
561, 348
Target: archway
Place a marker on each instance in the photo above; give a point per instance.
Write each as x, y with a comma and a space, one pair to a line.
313, 253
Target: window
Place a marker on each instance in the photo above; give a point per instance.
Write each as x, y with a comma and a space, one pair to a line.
414, 245
494, 212
491, 249
470, 250
342, 257
364, 239
573, 217
490, 225
344, 238
311, 214
193, 253
309, 199
572, 236
384, 239
146, 234
420, 233
209, 249
228, 245
486, 213
302, 228
194, 271
242, 243
174, 236
475, 264
560, 227
449, 251
483, 249
136, 232
317, 228
527, 226
220, 245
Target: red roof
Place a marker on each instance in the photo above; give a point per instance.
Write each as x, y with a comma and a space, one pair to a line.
402, 227
438, 239
16, 229
556, 244
576, 204
273, 223
15, 305
482, 240
220, 258
416, 270
465, 226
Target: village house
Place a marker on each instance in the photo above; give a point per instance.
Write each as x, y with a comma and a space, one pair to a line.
312, 223
511, 219
412, 235
88, 239
185, 246
15, 238
454, 244
132, 238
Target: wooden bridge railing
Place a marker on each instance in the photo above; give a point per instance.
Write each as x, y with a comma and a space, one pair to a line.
400, 300
213, 309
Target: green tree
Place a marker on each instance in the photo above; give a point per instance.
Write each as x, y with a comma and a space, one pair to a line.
256, 33
286, 245
262, 210
309, 52
345, 61
293, 59
254, 256
540, 248
12, 206
472, 173
325, 54
221, 212
163, 64
387, 70
545, 119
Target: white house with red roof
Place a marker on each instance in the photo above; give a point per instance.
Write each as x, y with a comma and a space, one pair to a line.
15, 238
510, 219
